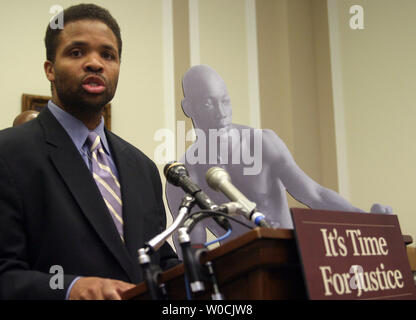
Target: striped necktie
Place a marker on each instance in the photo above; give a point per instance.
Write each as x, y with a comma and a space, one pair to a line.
105, 179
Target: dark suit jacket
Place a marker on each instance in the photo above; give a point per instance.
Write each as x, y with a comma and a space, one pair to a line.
52, 213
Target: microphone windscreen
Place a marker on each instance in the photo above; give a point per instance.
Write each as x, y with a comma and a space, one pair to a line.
215, 176
173, 171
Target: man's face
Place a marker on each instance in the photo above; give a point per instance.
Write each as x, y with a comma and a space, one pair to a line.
210, 103
86, 68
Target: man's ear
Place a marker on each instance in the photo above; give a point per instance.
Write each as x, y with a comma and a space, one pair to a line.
186, 107
48, 66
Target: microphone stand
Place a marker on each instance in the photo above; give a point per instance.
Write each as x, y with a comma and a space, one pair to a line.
216, 295
194, 270
193, 267
191, 261
151, 272
151, 275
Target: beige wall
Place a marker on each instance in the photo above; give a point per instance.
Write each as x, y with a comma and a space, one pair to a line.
377, 70
343, 107
295, 83
223, 46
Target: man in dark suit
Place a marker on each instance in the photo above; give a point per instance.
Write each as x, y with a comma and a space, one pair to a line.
54, 209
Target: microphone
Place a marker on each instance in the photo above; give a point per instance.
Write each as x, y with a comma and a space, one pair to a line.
176, 174
219, 180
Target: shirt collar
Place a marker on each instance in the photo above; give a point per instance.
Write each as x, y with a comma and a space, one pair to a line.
76, 129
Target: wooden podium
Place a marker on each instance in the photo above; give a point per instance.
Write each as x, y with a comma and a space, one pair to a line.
261, 264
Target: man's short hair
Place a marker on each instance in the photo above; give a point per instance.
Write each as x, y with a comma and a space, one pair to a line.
76, 13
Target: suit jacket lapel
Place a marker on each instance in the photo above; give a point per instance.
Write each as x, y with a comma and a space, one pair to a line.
131, 183
78, 178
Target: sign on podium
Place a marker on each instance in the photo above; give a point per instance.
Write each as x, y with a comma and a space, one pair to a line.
348, 255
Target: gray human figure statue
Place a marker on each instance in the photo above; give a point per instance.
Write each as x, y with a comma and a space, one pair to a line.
207, 103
